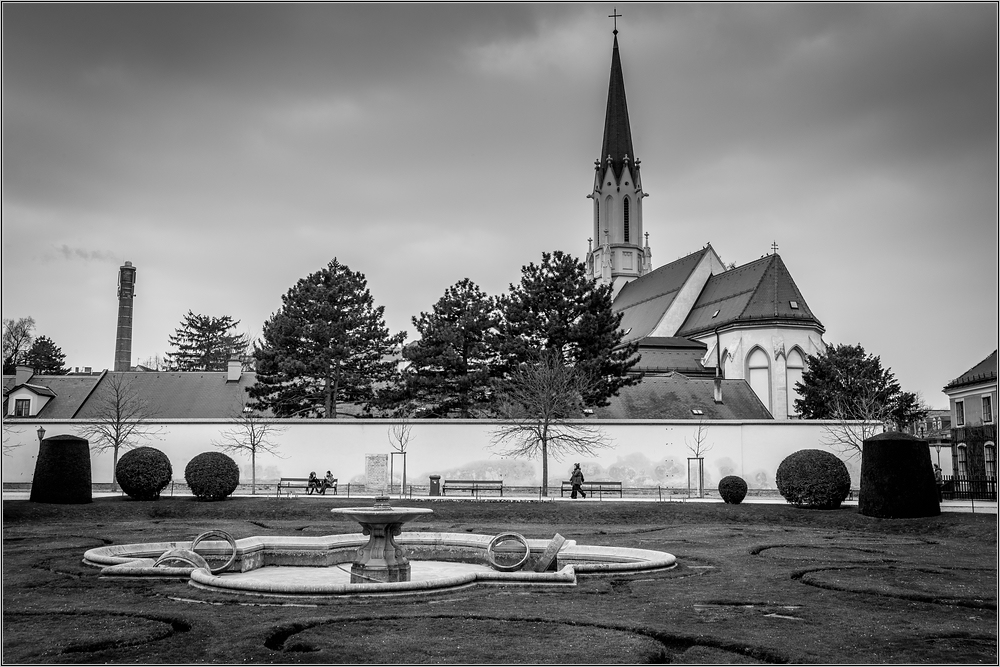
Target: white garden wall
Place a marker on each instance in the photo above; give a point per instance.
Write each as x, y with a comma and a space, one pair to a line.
640, 452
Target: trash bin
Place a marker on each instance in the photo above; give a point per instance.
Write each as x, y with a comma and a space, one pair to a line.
435, 485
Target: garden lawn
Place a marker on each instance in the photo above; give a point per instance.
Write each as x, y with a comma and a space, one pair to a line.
754, 583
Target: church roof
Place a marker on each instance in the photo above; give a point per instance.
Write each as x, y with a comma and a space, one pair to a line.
675, 396
984, 371
665, 354
644, 300
617, 133
760, 290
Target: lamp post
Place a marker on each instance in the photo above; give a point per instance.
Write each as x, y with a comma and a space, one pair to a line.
41, 433
937, 448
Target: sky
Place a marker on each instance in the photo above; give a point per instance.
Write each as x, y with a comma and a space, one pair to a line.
228, 150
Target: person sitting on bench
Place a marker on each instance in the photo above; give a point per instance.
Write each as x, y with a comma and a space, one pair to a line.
314, 483
328, 482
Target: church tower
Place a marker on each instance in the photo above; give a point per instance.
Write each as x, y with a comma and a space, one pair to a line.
617, 252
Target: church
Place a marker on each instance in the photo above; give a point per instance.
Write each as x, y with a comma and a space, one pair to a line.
703, 329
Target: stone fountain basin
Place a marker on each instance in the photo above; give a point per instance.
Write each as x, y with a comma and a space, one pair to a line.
253, 553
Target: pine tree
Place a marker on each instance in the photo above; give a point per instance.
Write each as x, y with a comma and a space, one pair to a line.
327, 344
556, 307
45, 357
205, 343
456, 355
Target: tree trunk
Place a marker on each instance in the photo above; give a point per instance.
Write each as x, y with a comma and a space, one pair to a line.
253, 471
545, 466
114, 471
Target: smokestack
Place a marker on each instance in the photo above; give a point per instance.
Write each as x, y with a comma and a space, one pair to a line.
126, 292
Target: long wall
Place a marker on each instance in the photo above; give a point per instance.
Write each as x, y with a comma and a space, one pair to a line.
638, 452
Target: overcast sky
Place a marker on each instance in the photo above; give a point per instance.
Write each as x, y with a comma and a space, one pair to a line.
229, 150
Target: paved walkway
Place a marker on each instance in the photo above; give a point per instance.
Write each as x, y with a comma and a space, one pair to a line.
965, 506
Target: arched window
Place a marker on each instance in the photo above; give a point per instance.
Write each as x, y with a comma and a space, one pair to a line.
759, 376
794, 363
990, 456
962, 463
625, 220
607, 218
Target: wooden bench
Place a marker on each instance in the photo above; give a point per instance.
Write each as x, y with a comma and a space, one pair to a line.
475, 486
600, 488
289, 483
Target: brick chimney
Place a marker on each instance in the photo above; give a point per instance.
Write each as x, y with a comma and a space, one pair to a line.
123, 342
22, 374
234, 370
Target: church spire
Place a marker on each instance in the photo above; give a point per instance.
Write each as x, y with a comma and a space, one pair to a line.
617, 133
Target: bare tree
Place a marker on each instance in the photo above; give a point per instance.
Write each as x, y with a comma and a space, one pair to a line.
697, 445
399, 438
8, 434
855, 420
250, 433
17, 339
536, 405
120, 419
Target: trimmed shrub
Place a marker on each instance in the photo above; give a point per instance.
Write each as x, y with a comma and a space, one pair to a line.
813, 478
143, 472
212, 476
733, 489
897, 478
62, 471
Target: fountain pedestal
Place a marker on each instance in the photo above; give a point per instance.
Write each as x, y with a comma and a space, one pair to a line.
381, 560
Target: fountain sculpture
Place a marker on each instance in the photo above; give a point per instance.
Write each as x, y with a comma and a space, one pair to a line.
381, 559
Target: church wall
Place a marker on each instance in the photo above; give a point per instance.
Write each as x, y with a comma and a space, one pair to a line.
643, 453
776, 342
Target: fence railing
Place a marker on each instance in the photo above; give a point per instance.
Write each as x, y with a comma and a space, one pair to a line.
969, 488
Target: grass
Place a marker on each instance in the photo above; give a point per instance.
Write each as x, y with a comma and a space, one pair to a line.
755, 583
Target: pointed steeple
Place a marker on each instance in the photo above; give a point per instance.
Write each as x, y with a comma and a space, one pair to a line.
617, 133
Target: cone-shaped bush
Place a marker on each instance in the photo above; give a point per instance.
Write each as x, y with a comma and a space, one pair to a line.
212, 476
897, 478
733, 489
62, 471
143, 472
813, 478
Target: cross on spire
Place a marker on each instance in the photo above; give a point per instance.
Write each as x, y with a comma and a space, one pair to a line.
774, 246
615, 15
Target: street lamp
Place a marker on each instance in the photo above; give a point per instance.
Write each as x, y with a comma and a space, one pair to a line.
937, 448
41, 433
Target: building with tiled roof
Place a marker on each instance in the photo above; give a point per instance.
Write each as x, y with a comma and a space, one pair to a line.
751, 322
973, 398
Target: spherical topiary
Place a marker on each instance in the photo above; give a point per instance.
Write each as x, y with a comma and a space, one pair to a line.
143, 472
733, 489
212, 475
813, 478
62, 471
897, 478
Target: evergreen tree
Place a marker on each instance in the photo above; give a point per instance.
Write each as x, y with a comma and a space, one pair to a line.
45, 357
205, 343
557, 308
452, 362
327, 344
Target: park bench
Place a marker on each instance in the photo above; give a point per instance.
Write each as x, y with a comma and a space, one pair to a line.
600, 488
289, 483
475, 486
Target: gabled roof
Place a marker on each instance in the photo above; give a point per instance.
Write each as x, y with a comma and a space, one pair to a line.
68, 392
664, 354
172, 395
674, 396
644, 300
617, 133
760, 290
984, 371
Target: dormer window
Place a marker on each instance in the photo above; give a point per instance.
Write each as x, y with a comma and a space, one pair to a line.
22, 407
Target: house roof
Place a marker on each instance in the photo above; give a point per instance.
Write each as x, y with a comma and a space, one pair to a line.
663, 354
984, 371
172, 395
68, 392
760, 290
644, 300
617, 133
674, 396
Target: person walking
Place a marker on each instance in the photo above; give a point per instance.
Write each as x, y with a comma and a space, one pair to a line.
576, 479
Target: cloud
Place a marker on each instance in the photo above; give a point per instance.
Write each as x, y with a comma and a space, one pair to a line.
86, 255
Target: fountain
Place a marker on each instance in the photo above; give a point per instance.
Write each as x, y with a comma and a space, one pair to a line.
381, 559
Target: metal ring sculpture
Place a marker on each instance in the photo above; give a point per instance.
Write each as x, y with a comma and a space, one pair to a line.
504, 537
228, 538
